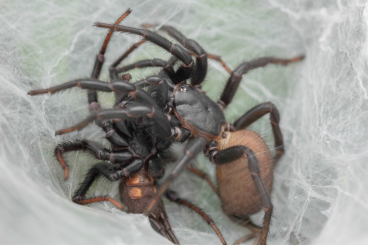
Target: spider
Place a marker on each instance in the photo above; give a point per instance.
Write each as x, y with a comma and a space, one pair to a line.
184, 112
138, 145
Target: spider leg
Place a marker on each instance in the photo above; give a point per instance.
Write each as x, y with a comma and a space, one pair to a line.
233, 82
246, 238
162, 91
104, 169
232, 153
256, 113
246, 222
217, 58
204, 176
112, 69
117, 86
193, 148
171, 62
184, 71
111, 135
200, 68
163, 124
151, 63
95, 150
92, 95
160, 119
195, 50
171, 195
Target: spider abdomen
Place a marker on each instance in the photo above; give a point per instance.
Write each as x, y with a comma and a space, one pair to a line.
236, 187
137, 191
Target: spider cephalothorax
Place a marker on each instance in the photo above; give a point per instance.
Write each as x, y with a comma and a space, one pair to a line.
172, 110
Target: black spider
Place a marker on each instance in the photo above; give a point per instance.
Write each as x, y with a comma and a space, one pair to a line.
138, 144
183, 111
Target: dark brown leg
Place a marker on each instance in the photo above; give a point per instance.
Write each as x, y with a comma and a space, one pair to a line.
92, 95
174, 198
184, 71
95, 150
204, 176
256, 113
193, 148
151, 63
117, 87
217, 58
88, 83
171, 62
237, 74
112, 70
245, 238
247, 223
131, 112
103, 169
102, 199
162, 124
161, 95
200, 69
262, 192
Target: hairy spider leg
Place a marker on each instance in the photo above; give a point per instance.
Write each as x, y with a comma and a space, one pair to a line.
184, 71
233, 82
112, 70
193, 148
203, 176
151, 63
246, 238
97, 151
217, 58
92, 95
100, 169
130, 112
167, 67
256, 113
246, 223
171, 62
162, 90
200, 68
162, 124
195, 50
232, 153
172, 196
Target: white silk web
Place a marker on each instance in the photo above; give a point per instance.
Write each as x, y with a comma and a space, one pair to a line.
319, 190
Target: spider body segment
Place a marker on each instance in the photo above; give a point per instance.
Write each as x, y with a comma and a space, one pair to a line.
172, 110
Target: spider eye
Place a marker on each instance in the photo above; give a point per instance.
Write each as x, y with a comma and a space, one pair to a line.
183, 88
